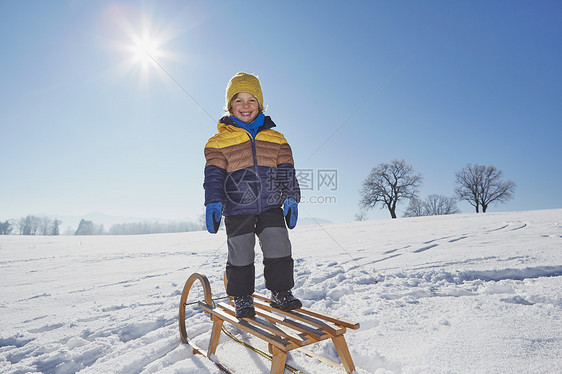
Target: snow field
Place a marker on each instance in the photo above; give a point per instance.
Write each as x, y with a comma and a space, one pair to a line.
447, 294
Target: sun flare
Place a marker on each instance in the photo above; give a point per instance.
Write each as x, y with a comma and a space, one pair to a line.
144, 50
140, 42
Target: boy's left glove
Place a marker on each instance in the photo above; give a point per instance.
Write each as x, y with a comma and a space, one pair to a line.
291, 212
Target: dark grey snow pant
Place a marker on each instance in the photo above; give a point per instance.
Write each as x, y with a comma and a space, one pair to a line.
241, 232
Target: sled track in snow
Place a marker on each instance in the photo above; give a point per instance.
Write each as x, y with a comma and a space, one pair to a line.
459, 277
514, 274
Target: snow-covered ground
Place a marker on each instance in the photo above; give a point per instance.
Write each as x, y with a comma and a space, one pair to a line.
447, 294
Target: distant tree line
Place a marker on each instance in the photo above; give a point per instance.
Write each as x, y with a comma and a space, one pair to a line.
34, 225
31, 225
139, 228
136, 228
390, 183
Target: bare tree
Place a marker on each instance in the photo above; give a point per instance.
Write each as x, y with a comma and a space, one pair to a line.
433, 205
29, 225
361, 215
20, 224
415, 209
45, 225
482, 185
5, 228
388, 184
436, 205
201, 222
56, 227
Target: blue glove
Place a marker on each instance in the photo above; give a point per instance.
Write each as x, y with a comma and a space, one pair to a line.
213, 216
291, 212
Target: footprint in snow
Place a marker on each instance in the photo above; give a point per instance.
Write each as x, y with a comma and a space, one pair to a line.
423, 249
47, 328
516, 300
457, 239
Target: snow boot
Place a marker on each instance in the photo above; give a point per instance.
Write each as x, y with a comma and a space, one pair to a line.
284, 300
244, 306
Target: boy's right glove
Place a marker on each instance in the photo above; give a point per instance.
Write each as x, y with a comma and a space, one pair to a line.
291, 212
213, 216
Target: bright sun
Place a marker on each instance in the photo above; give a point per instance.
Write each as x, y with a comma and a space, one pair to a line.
144, 50
143, 45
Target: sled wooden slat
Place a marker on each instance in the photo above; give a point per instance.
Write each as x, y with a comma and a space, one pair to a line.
272, 328
246, 326
309, 331
329, 318
324, 326
283, 331
314, 313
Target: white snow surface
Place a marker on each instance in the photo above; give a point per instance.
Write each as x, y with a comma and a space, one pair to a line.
445, 294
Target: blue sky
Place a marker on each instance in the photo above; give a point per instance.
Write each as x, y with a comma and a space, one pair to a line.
85, 126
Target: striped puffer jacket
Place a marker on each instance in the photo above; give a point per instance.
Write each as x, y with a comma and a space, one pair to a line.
249, 176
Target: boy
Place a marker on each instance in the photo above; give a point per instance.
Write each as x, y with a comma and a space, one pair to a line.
249, 175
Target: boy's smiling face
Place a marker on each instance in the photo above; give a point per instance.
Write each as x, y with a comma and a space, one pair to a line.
245, 107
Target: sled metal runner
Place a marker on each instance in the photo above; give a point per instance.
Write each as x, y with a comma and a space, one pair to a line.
283, 331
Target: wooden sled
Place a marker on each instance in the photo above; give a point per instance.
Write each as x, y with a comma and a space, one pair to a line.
283, 331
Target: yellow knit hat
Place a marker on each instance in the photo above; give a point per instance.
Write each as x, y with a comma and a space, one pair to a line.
243, 82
